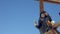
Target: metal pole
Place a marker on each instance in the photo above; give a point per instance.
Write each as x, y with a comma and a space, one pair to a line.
41, 5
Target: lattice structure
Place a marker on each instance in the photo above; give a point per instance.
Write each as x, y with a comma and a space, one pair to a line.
53, 1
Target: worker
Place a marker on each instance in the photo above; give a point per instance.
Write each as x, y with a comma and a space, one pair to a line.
42, 25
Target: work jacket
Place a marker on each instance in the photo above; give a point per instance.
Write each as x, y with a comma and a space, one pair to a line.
42, 26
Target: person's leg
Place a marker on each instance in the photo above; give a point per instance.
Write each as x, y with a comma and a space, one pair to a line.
51, 32
41, 32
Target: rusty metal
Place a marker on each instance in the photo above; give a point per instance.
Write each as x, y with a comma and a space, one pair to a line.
41, 5
41, 2
53, 1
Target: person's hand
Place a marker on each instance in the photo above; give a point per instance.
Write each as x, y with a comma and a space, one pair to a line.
56, 25
46, 14
48, 23
53, 23
35, 23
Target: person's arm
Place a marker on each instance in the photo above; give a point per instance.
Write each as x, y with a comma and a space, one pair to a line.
49, 23
39, 24
48, 16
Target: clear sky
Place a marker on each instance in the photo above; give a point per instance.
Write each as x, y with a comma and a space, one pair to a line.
18, 16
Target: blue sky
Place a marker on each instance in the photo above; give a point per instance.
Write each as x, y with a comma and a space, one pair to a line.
18, 16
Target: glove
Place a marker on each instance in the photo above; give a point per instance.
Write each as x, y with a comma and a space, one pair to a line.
35, 23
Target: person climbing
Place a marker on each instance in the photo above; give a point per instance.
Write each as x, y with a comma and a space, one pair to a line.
42, 22
54, 28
